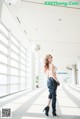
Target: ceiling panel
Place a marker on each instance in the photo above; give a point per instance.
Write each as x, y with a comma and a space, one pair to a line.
53, 28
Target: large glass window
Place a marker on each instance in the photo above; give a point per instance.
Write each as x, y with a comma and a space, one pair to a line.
3, 68
3, 90
23, 67
3, 48
23, 55
22, 86
3, 57
3, 39
2, 28
23, 49
14, 71
12, 63
14, 55
15, 64
14, 40
3, 79
13, 88
22, 61
14, 80
14, 47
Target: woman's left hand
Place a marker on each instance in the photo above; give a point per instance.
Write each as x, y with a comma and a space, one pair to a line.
58, 83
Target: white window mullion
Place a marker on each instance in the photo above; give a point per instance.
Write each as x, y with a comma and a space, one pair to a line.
32, 70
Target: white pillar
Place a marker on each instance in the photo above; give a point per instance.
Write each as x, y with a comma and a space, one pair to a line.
74, 75
41, 73
79, 70
37, 68
32, 70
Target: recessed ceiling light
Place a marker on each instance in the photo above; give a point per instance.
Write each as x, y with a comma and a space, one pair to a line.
18, 20
29, 39
36, 29
35, 47
59, 19
11, 2
25, 32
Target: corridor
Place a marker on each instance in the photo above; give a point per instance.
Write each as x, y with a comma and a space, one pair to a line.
39, 39
30, 105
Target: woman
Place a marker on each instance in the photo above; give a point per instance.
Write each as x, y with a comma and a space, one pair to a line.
52, 84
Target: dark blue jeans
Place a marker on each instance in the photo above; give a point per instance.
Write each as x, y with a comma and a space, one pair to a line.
52, 86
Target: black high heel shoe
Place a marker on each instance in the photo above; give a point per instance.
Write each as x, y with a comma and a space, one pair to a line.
46, 109
54, 114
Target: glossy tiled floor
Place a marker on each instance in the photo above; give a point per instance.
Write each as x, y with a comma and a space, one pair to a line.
30, 105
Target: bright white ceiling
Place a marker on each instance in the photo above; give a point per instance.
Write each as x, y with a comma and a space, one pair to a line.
56, 29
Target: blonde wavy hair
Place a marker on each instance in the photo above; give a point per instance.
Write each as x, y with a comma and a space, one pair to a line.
46, 62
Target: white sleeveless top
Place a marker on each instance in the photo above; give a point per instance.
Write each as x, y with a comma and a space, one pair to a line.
51, 72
